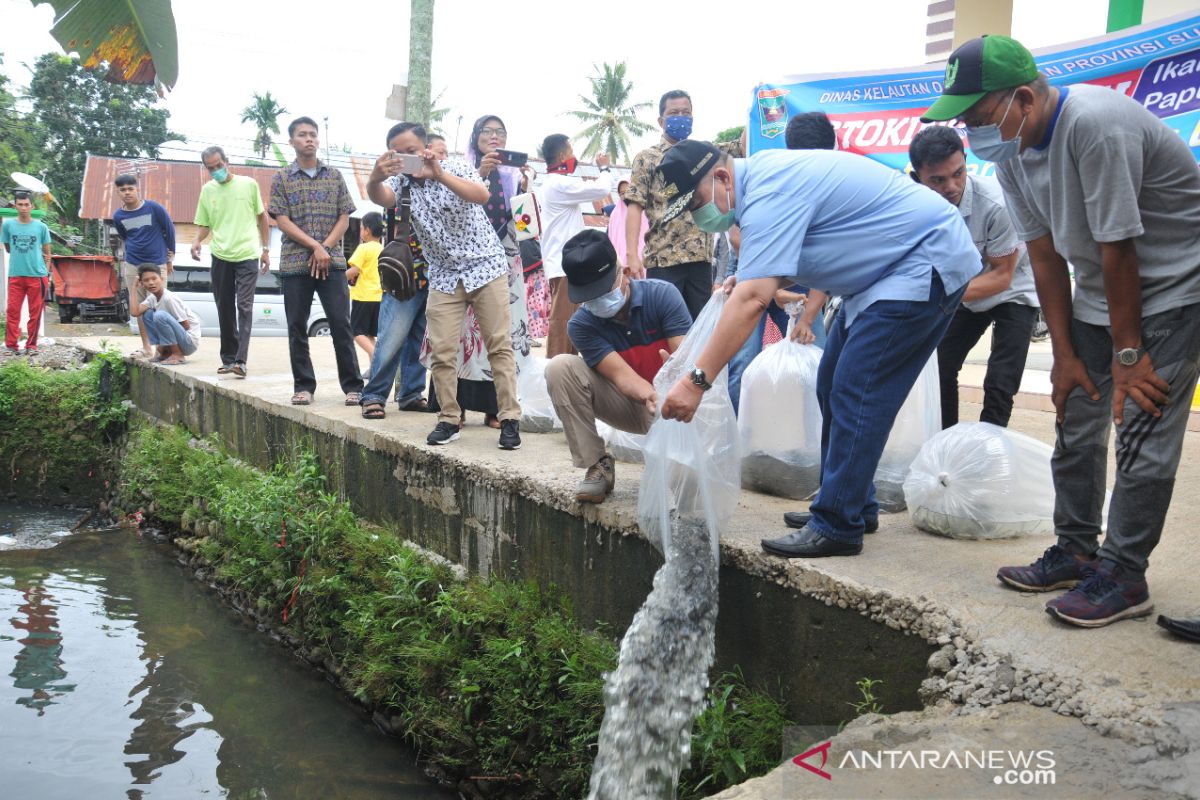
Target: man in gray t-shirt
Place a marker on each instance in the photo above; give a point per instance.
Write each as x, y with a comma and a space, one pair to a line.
1094, 178
1002, 294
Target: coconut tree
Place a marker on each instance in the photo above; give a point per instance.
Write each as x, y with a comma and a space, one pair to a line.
263, 113
610, 116
420, 55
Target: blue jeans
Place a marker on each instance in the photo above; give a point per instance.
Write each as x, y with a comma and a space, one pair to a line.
163, 330
866, 373
754, 345
398, 347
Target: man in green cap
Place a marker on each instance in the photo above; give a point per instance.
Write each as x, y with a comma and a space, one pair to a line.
1093, 178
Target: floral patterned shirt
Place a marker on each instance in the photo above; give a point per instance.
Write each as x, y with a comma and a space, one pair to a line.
678, 241
459, 243
314, 204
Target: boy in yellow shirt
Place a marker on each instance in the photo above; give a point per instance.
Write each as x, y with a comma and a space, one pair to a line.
365, 290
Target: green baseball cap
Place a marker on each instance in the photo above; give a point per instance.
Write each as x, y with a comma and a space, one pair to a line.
977, 67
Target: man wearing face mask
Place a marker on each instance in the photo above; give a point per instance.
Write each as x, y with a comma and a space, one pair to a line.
560, 195
676, 251
898, 254
1095, 179
622, 330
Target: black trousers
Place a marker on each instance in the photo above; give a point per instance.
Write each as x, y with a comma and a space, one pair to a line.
693, 280
1010, 345
335, 299
233, 284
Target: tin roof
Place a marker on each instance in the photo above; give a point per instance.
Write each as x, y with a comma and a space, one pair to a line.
176, 185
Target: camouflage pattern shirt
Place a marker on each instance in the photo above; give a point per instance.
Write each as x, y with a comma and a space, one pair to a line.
678, 241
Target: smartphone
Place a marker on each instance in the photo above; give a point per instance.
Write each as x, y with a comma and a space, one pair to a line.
409, 164
512, 158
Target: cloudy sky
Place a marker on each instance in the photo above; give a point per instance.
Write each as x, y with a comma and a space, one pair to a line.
339, 60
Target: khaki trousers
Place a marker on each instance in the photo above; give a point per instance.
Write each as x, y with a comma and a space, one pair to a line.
561, 310
444, 316
581, 396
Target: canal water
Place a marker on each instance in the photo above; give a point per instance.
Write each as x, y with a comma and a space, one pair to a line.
120, 676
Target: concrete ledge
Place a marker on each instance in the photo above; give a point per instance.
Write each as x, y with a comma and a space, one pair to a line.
807, 628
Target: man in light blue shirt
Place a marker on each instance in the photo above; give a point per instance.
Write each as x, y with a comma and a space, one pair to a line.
900, 257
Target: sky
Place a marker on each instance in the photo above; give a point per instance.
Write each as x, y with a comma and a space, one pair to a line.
340, 60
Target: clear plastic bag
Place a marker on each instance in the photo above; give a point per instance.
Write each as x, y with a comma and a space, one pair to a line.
693, 470
537, 410
980, 481
780, 421
622, 445
919, 420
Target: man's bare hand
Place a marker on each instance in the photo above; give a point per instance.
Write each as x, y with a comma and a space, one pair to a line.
195, 251
1065, 374
1141, 384
318, 263
264, 262
802, 332
637, 270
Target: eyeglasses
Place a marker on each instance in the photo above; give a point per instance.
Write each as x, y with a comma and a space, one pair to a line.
499, 132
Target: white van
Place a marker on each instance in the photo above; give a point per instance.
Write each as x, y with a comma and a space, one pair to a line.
193, 285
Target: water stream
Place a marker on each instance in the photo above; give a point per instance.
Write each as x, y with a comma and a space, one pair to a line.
120, 676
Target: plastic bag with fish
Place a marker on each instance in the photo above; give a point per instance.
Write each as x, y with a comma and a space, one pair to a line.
693, 470
919, 420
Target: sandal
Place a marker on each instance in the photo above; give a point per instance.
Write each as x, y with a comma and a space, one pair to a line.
172, 361
420, 404
302, 398
353, 398
374, 411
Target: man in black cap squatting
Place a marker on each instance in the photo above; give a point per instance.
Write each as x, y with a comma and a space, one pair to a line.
1094, 179
623, 330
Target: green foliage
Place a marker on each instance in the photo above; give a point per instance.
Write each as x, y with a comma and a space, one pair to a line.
868, 702
263, 113
484, 677
609, 114
730, 134
58, 427
20, 149
76, 112
738, 737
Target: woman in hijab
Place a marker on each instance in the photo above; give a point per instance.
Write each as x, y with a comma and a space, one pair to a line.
476, 391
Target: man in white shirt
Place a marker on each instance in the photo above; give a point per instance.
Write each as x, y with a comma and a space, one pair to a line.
559, 196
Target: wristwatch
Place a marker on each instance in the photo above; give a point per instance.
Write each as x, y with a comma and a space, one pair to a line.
700, 379
1129, 356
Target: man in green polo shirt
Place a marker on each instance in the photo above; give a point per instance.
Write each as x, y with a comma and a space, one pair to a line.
1095, 179
231, 210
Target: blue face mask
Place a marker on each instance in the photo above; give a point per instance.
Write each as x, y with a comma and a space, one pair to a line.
678, 128
709, 218
219, 175
989, 144
606, 306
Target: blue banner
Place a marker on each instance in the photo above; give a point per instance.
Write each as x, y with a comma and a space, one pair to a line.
878, 113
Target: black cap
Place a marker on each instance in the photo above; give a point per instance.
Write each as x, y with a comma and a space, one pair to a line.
590, 264
682, 168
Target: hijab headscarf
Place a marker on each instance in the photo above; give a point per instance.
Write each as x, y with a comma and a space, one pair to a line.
503, 183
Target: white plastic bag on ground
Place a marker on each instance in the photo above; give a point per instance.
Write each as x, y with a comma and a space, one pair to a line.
780, 421
537, 410
980, 481
919, 420
693, 470
622, 445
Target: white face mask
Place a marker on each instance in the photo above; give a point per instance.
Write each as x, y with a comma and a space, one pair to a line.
989, 144
608, 305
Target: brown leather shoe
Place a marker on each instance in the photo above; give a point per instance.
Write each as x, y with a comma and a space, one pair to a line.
599, 481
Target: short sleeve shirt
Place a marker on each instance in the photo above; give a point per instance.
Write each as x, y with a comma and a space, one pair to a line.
656, 313
366, 257
230, 211
1111, 171
25, 241
982, 208
171, 304
314, 203
678, 241
848, 226
458, 242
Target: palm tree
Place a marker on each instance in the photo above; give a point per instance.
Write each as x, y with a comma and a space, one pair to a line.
610, 116
263, 113
420, 55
